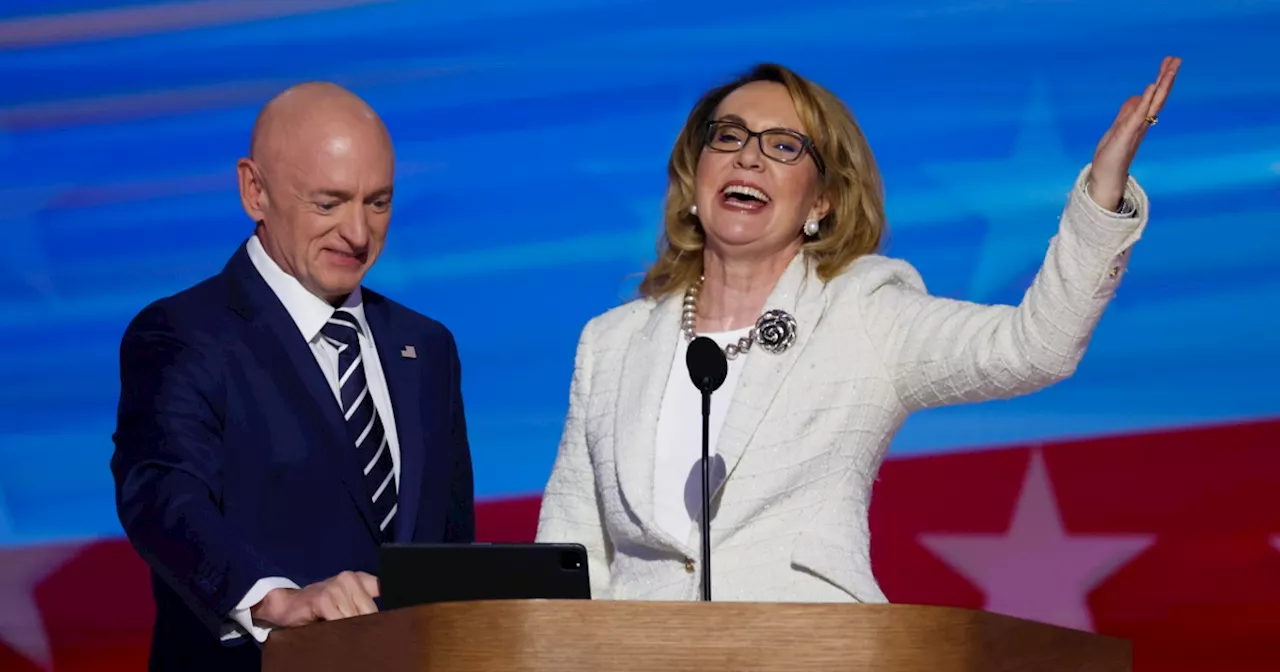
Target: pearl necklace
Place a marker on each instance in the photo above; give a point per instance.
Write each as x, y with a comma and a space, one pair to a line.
775, 330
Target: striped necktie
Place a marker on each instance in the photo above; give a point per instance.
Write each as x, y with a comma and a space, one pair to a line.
363, 424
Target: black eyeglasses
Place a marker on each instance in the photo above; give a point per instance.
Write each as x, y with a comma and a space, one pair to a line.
780, 144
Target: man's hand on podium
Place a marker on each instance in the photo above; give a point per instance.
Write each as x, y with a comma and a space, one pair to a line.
343, 596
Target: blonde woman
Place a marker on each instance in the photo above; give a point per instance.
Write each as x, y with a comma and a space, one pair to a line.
773, 217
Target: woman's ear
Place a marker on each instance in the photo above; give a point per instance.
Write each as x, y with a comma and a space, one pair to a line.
821, 208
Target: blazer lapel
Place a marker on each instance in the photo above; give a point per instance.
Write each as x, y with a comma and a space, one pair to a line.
801, 295
643, 382
404, 378
278, 335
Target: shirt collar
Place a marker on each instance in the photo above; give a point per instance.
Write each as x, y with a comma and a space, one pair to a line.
309, 312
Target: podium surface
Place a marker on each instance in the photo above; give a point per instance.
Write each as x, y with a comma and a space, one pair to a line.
581, 635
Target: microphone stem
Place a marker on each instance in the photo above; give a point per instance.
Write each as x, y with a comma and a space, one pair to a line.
706, 496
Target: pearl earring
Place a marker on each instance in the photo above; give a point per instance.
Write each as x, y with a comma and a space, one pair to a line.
693, 210
811, 228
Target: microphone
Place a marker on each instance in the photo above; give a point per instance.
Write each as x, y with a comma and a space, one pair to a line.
708, 368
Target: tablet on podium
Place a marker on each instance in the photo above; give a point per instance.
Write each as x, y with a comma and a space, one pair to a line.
414, 574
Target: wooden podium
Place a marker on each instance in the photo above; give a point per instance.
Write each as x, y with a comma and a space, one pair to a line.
606, 636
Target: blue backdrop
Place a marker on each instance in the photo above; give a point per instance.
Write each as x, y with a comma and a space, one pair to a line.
532, 138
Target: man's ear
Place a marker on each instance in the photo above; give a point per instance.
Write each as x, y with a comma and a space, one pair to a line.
253, 193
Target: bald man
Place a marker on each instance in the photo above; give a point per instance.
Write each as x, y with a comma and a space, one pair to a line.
278, 422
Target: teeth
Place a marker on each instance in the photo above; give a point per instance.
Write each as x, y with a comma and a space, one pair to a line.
746, 191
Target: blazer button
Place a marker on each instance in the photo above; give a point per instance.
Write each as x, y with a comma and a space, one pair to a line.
688, 565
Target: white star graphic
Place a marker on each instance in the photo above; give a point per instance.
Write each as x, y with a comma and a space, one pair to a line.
21, 572
1037, 570
1020, 197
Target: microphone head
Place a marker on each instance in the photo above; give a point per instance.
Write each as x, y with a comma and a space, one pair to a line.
708, 366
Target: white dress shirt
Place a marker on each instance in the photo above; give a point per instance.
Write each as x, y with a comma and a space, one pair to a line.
677, 482
310, 313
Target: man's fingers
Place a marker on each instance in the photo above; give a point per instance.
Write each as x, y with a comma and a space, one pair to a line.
370, 584
343, 596
342, 590
355, 598
363, 588
327, 606
346, 603
363, 603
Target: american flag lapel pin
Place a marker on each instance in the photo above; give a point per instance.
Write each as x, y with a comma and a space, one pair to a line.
409, 352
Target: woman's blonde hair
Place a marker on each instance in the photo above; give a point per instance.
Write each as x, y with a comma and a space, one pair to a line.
853, 226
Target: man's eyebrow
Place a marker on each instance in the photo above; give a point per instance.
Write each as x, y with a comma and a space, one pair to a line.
332, 193
344, 195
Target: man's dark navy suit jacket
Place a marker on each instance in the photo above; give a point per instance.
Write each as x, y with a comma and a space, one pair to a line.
232, 462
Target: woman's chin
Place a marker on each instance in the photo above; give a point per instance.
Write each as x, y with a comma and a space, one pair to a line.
750, 243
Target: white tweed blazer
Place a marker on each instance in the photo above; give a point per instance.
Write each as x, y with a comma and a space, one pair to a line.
807, 429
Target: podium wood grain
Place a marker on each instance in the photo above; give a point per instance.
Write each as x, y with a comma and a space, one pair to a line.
602, 636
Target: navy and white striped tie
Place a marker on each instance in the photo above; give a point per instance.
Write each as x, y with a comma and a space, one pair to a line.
363, 424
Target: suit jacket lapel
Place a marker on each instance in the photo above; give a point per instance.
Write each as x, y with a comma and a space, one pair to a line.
277, 334
404, 384
801, 295
645, 370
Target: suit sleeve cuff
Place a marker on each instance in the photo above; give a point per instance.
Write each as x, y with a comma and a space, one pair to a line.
1109, 233
240, 620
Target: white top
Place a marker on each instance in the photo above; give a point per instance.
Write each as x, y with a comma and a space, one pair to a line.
677, 482
310, 313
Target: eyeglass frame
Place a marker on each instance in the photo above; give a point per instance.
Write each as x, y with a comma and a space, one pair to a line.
806, 143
